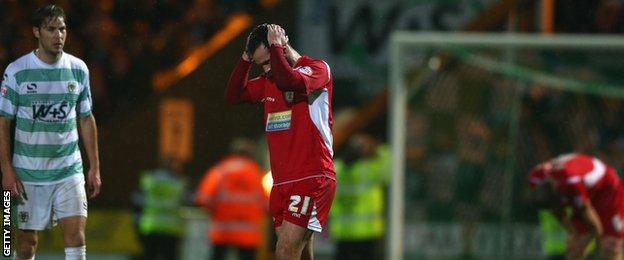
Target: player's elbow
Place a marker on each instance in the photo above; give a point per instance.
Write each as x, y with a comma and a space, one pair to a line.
87, 121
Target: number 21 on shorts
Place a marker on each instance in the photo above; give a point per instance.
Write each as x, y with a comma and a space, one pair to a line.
295, 200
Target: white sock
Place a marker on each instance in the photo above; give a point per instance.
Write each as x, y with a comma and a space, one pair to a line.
76, 253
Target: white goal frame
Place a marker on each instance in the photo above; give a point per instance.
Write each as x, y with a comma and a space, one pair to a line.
398, 98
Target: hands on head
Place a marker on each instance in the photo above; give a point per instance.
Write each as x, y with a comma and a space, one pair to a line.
246, 57
277, 35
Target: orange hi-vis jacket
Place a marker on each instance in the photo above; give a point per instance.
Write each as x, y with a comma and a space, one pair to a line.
232, 193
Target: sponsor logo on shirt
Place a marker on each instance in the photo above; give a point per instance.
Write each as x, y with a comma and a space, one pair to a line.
31, 88
278, 121
4, 91
305, 70
267, 99
47, 111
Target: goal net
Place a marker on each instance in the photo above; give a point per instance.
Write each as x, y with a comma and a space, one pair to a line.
471, 114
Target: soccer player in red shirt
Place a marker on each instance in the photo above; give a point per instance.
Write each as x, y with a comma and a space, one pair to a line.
297, 95
596, 195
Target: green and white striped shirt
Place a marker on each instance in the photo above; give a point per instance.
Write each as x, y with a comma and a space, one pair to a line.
45, 100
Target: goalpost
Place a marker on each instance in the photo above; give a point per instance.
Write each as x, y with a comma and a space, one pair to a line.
470, 113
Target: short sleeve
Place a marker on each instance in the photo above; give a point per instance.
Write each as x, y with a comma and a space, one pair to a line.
8, 95
316, 75
85, 104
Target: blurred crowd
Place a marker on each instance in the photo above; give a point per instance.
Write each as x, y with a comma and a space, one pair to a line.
123, 42
571, 16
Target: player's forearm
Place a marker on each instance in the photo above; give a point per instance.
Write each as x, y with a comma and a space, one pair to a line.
236, 83
285, 77
590, 217
88, 133
5, 146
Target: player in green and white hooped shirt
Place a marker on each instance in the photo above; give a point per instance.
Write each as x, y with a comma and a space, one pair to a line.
46, 93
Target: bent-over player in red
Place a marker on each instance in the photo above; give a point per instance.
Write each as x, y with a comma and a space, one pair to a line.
596, 195
297, 95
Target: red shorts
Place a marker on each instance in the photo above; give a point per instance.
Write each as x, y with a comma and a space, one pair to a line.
610, 210
305, 203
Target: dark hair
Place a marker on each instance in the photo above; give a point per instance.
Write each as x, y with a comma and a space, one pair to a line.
45, 14
257, 36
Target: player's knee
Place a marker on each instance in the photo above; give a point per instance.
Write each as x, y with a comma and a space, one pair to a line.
75, 239
286, 249
26, 247
284, 253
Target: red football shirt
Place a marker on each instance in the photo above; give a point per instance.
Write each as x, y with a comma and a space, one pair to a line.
579, 178
297, 114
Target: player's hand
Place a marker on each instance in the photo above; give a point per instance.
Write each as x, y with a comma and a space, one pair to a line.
94, 182
11, 182
276, 35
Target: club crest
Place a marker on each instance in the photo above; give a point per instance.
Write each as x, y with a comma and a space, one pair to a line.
71, 88
23, 217
289, 96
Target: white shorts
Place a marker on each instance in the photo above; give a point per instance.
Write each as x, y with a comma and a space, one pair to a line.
48, 203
